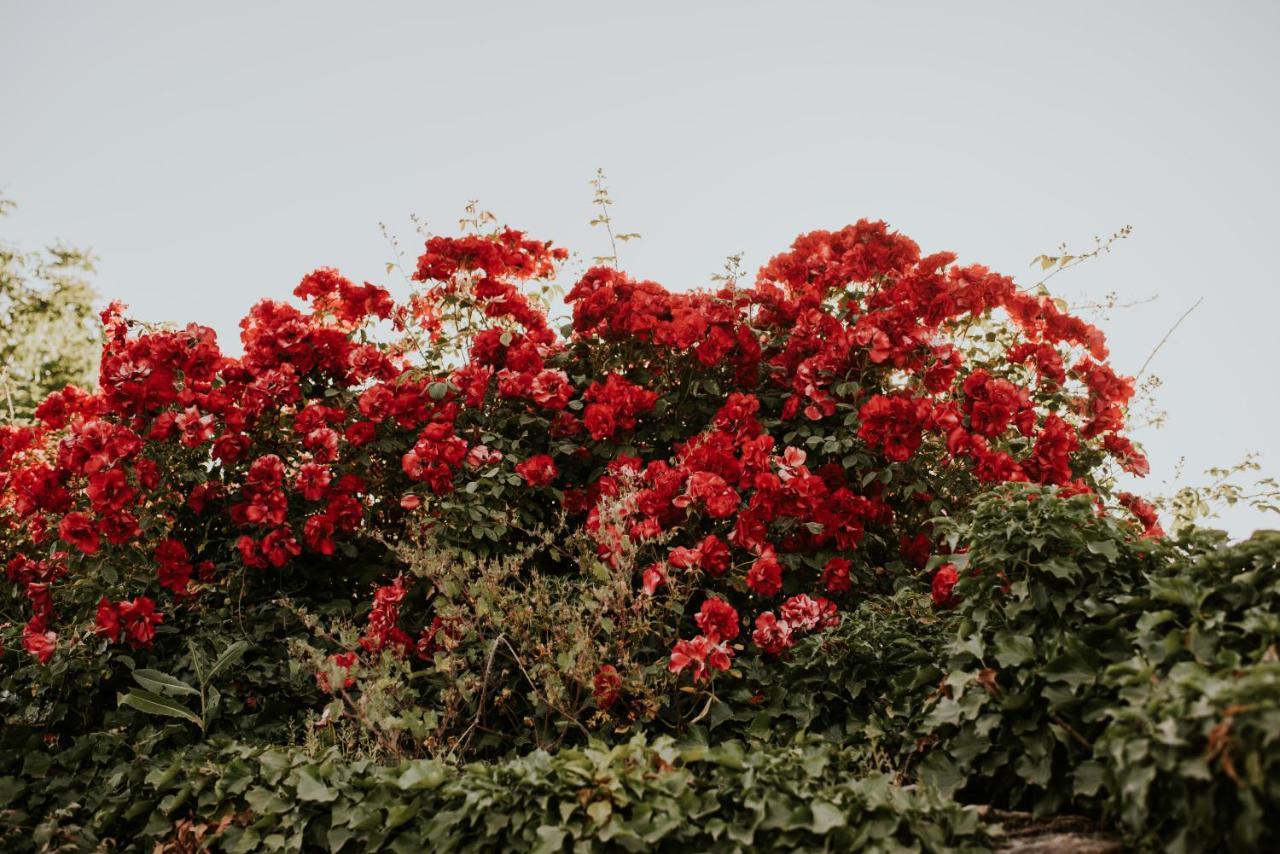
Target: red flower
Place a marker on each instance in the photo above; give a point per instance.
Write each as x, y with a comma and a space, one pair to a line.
313, 480
894, 422
551, 389
710, 489
653, 577
835, 575
599, 421
139, 619
537, 471
108, 620
1143, 512
703, 654
944, 580
771, 635
718, 620
765, 575
109, 490
196, 428
39, 641
78, 530
803, 613
174, 569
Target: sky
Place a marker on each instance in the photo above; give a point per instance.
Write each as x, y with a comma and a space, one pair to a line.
211, 155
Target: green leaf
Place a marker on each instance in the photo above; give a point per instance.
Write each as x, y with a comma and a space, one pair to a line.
421, 775
230, 656
310, 787
941, 773
198, 662
154, 704
1088, 778
1106, 548
163, 683
1012, 650
826, 817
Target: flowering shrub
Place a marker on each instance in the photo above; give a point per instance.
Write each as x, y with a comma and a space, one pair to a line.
784, 445
868, 498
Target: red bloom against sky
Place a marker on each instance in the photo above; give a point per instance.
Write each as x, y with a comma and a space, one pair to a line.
782, 446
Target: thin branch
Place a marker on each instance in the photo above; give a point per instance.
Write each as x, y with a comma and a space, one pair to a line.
1176, 324
465, 740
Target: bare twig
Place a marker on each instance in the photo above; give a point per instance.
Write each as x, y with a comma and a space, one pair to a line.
1176, 324
465, 740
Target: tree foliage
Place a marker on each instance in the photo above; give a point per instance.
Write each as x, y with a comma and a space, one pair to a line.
49, 334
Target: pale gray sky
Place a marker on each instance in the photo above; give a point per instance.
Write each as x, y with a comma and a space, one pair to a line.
213, 154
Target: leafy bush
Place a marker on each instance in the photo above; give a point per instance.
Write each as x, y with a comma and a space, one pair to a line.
865, 682
1039, 601
783, 446
48, 334
1095, 670
636, 796
1191, 753
848, 535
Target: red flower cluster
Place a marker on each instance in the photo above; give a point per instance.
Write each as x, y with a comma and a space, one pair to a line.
798, 616
135, 619
788, 441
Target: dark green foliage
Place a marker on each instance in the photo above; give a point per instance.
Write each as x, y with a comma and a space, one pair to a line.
1092, 671
864, 682
1041, 616
635, 796
1191, 754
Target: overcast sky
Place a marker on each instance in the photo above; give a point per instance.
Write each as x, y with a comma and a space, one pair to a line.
212, 155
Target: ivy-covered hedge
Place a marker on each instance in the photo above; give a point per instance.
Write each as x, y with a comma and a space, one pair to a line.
634, 796
1134, 679
1191, 752
1041, 615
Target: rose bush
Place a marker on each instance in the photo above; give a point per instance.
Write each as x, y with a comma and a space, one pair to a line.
867, 499
784, 444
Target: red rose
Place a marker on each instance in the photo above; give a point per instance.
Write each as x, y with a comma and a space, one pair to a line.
944, 580
537, 471
718, 620
78, 530
39, 642
606, 687
765, 575
108, 620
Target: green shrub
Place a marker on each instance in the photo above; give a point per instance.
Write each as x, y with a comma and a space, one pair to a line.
1040, 606
637, 796
1192, 752
864, 682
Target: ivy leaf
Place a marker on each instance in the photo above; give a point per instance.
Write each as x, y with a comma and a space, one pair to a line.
1106, 548
310, 787
826, 817
1012, 650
